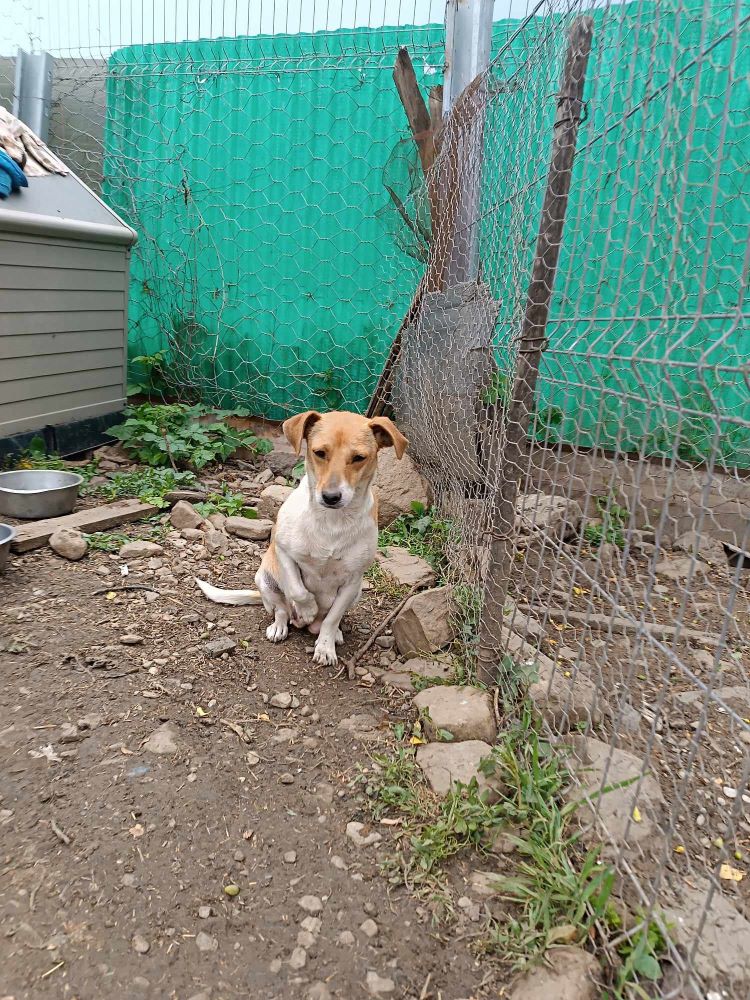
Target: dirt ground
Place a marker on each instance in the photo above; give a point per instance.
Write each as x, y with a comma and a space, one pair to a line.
114, 859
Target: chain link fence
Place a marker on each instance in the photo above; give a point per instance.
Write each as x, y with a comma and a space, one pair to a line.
570, 356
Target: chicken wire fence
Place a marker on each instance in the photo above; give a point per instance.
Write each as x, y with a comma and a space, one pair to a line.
577, 396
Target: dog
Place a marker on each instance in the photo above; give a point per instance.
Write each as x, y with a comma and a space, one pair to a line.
326, 532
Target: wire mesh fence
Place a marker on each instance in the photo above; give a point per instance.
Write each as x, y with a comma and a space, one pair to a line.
570, 361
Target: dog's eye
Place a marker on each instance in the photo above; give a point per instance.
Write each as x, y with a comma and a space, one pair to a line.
319, 453
358, 458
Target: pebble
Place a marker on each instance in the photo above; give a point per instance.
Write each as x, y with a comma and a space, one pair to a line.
204, 942
298, 958
275, 966
281, 700
252, 759
369, 928
204, 912
378, 986
311, 904
140, 944
287, 778
370, 909
312, 924
239, 856
305, 939
339, 863
217, 647
131, 639
354, 833
346, 938
318, 991
290, 857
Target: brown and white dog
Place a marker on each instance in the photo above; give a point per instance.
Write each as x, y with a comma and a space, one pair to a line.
326, 533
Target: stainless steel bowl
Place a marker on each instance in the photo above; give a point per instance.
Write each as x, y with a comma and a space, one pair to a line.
7, 534
38, 493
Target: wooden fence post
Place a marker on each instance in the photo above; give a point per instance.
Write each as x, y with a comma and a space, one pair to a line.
508, 457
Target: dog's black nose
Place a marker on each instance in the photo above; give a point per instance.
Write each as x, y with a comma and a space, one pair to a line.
331, 499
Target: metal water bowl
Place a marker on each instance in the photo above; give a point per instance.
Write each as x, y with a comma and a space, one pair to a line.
33, 494
7, 534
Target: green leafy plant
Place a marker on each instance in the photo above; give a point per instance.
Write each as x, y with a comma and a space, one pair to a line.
183, 436
36, 457
225, 502
424, 533
148, 485
641, 952
611, 528
152, 375
106, 541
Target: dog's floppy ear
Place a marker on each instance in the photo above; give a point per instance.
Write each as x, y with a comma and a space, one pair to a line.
388, 435
297, 428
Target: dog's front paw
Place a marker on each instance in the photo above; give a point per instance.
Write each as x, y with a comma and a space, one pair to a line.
304, 612
325, 652
276, 632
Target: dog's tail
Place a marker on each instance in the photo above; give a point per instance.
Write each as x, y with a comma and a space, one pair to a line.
219, 596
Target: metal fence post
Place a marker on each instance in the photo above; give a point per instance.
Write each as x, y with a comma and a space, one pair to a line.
32, 91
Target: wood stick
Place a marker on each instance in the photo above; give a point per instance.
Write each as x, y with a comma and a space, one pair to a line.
60, 834
351, 664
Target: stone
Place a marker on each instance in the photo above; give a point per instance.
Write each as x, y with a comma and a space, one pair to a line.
675, 568
424, 623
556, 516
131, 639
281, 700
465, 712
204, 912
702, 546
163, 739
282, 459
378, 986
298, 959
737, 697
722, 944
215, 541
573, 974
356, 833
140, 550
318, 991
596, 764
218, 646
290, 857
272, 498
192, 534
310, 904
406, 569
68, 543
564, 698
399, 485
369, 928
254, 529
184, 515
205, 942
401, 675
363, 726
140, 945
446, 764
346, 938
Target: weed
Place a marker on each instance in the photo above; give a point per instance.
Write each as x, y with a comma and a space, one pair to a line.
148, 485
226, 502
152, 380
467, 602
106, 541
424, 533
611, 528
183, 436
35, 457
383, 583
640, 953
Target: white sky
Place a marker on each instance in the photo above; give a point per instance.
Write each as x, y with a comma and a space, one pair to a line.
92, 28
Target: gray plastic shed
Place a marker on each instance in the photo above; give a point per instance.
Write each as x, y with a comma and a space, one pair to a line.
64, 272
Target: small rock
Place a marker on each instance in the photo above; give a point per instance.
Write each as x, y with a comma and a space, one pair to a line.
310, 904
675, 569
204, 912
305, 939
281, 700
363, 726
424, 624
702, 546
318, 991
192, 534
346, 938
252, 759
140, 550
286, 778
290, 857
204, 942
140, 945
369, 928
272, 498
354, 832
275, 966
465, 712
574, 976
131, 639
265, 476
339, 863
378, 986
556, 516
219, 646
282, 460
253, 529
129, 880
385, 641
401, 675
406, 569
184, 515
163, 739
215, 541
298, 959
68, 543
445, 764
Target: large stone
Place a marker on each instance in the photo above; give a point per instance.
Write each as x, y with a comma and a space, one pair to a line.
398, 486
272, 498
282, 460
401, 675
406, 569
140, 550
68, 543
162, 740
446, 764
424, 624
573, 974
556, 516
465, 712
184, 515
720, 948
253, 529
702, 546
563, 697
617, 794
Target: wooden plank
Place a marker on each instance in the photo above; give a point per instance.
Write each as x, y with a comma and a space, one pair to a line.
40, 278
20, 300
416, 110
36, 344
14, 251
24, 390
70, 321
35, 534
43, 363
